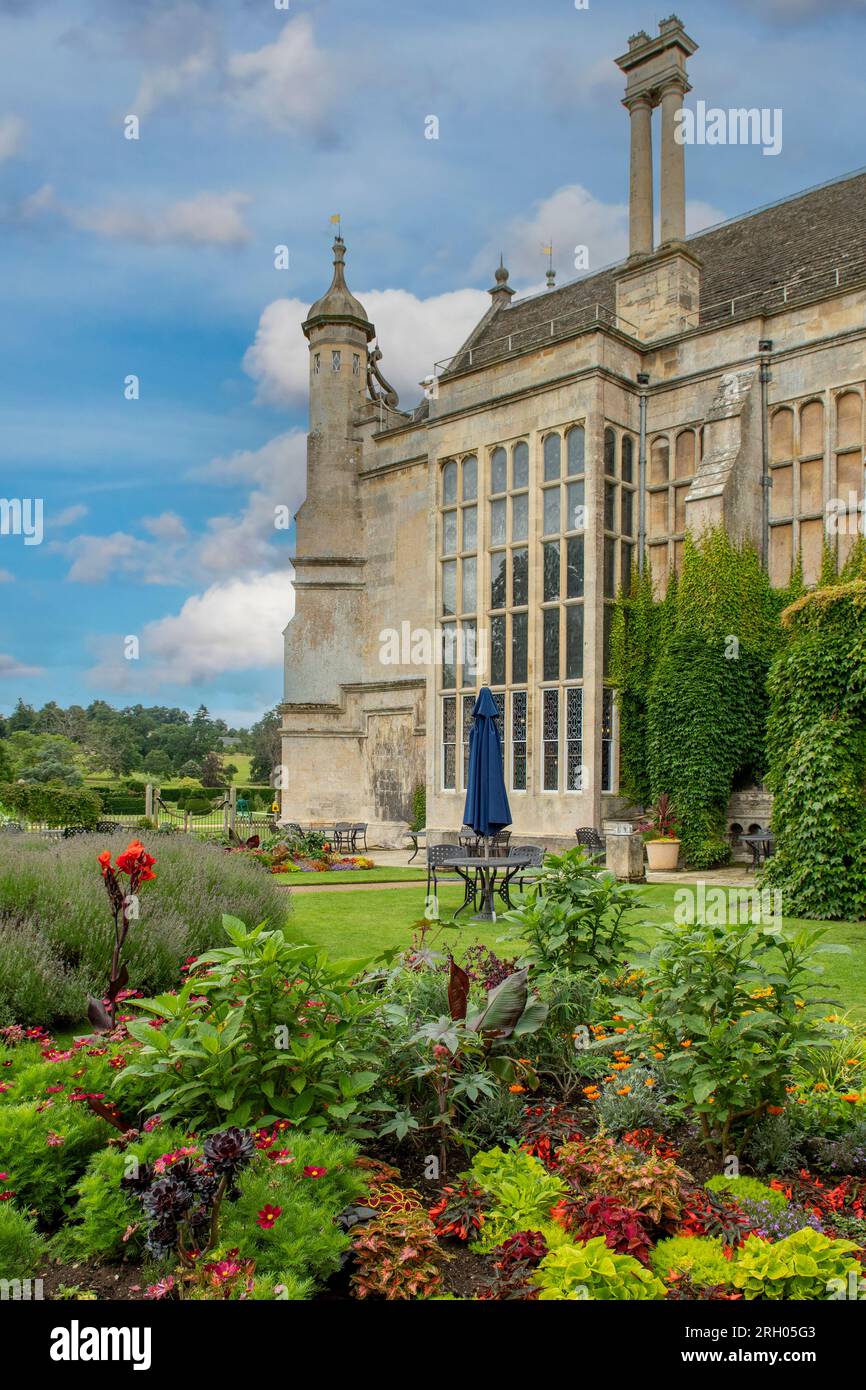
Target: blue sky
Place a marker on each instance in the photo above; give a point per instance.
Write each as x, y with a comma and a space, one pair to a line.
155, 257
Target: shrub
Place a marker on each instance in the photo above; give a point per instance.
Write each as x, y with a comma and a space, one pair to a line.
52, 911
635, 1099
816, 741
575, 918
397, 1256
747, 1188
45, 1151
647, 1183
592, 1271
521, 1193
730, 1053
806, 1265
52, 803
22, 1248
304, 1243
35, 985
104, 1211
699, 1257
621, 1228
262, 1030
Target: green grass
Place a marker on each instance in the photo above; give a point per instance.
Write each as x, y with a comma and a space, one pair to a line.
393, 874
362, 924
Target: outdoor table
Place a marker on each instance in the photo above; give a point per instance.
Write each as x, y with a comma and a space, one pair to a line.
487, 869
760, 847
414, 836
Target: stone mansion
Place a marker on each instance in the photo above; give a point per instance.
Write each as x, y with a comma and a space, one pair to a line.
712, 379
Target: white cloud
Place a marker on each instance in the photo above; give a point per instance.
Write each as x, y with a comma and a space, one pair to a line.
165, 527
11, 669
413, 334
232, 542
573, 217
164, 83
245, 539
96, 558
207, 219
13, 133
236, 625
68, 516
286, 83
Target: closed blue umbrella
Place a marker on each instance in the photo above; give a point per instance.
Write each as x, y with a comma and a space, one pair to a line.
487, 809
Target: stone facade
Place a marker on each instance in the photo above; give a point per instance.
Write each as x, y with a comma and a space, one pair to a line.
510, 504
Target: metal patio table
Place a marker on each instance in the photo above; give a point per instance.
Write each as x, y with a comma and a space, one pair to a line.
760, 847
487, 870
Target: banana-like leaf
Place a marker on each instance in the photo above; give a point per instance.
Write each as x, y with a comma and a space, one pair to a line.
458, 991
505, 1005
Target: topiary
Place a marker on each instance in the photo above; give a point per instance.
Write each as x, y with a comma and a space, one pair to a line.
806, 1265
592, 1271
750, 1189
701, 1258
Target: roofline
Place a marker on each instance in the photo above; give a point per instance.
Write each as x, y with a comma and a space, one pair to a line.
693, 236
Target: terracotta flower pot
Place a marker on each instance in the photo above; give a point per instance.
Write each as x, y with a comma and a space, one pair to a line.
662, 854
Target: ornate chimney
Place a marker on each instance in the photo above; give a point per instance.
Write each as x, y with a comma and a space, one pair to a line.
658, 293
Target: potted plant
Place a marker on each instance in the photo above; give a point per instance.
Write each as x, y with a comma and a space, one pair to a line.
662, 844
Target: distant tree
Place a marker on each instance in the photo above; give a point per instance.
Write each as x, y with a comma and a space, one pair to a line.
157, 763
212, 772
265, 736
22, 717
51, 766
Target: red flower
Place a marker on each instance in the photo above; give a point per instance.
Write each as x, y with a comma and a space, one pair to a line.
105, 861
136, 862
268, 1216
311, 1171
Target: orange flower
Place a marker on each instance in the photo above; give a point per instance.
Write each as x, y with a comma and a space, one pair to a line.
852, 1097
775, 1109
516, 1089
620, 1066
687, 1043
649, 1081
623, 1090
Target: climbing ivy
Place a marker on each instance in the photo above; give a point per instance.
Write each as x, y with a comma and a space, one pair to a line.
690, 671
816, 742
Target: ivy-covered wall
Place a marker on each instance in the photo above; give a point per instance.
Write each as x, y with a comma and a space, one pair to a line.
691, 672
816, 743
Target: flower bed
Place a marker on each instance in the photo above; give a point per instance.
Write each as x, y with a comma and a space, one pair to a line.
561, 1125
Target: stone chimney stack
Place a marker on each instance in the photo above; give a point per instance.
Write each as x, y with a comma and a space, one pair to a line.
655, 69
658, 291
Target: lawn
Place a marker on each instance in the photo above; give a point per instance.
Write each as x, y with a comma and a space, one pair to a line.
360, 924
